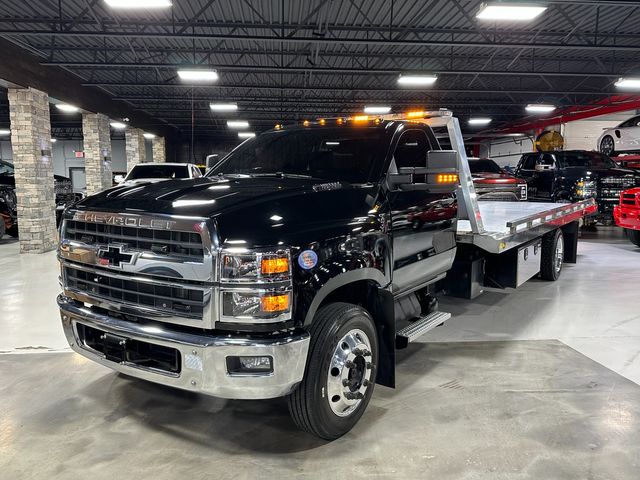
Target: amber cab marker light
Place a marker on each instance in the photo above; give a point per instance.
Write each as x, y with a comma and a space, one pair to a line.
361, 118
447, 178
274, 303
305, 123
322, 121
271, 266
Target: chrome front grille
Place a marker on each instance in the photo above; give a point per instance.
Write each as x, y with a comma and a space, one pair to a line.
179, 301
154, 267
187, 245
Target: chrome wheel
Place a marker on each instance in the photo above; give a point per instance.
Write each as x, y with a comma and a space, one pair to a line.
607, 146
559, 255
349, 373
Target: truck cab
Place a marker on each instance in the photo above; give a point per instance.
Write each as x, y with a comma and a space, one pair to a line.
283, 272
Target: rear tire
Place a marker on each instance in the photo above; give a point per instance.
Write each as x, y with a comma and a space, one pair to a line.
552, 256
340, 373
634, 236
608, 146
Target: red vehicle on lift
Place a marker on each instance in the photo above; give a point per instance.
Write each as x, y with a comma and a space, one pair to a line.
627, 214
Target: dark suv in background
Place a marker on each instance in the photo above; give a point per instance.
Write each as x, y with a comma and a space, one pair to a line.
572, 175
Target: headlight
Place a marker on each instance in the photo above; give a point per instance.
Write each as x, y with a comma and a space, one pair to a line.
256, 306
586, 188
256, 286
256, 266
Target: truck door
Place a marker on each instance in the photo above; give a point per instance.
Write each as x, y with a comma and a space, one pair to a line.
422, 223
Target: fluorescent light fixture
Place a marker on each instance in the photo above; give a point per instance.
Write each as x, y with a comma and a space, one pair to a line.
275, 218
539, 108
237, 123
65, 107
479, 121
138, 4
246, 134
4, 132
417, 80
511, 12
118, 125
331, 144
632, 83
198, 75
377, 109
148, 135
54, 140
223, 107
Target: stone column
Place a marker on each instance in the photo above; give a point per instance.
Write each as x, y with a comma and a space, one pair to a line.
97, 152
31, 146
158, 148
135, 148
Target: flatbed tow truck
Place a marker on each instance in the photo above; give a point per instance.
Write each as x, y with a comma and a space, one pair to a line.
291, 269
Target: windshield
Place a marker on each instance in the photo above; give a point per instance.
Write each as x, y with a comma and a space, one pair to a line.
584, 160
339, 154
484, 166
158, 171
6, 168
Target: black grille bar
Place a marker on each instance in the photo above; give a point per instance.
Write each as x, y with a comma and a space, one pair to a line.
182, 301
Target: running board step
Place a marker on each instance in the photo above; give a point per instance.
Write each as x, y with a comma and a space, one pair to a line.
418, 328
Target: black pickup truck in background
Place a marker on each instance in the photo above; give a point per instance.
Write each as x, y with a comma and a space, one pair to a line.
573, 175
293, 269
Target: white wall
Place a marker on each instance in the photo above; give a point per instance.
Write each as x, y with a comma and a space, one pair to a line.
508, 150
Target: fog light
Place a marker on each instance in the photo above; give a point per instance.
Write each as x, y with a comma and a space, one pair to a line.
249, 365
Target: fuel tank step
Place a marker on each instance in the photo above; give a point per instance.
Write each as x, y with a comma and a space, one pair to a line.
418, 328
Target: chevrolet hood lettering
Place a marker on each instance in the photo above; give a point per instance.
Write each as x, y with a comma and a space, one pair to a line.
124, 221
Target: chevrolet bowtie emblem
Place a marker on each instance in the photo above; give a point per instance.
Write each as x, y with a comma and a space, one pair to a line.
113, 256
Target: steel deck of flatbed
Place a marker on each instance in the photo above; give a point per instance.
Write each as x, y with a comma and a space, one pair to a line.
509, 224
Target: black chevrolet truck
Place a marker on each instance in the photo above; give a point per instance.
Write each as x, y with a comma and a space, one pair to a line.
291, 269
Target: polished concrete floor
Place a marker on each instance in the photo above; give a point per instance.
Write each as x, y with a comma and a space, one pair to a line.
520, 384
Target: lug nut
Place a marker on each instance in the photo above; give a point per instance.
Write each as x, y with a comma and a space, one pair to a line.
370, 365
357, 351
349, 364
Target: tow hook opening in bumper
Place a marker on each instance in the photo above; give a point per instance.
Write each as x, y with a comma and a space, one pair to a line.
195, 362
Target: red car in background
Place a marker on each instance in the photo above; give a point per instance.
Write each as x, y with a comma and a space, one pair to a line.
494, 183
627, 214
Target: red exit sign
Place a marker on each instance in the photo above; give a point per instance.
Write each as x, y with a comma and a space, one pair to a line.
79, 154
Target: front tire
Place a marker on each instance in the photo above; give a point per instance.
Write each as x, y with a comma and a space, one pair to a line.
608, 146
340, 374
552, 256
634, 236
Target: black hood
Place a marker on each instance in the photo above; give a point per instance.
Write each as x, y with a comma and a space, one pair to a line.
259, 210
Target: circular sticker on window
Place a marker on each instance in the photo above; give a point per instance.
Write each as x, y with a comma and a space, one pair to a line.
308, 259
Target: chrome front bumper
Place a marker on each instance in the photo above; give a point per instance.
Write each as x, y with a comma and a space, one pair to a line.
203, 357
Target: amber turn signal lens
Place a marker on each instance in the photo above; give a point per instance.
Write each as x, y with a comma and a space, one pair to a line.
274, 303
447, 178
415, 114
271, 266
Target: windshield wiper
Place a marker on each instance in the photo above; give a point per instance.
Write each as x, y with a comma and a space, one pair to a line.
269, 174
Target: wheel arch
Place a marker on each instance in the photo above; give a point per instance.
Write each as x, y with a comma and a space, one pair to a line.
364, 287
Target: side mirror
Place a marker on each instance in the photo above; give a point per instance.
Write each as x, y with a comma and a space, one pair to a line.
439, 174
118, 178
